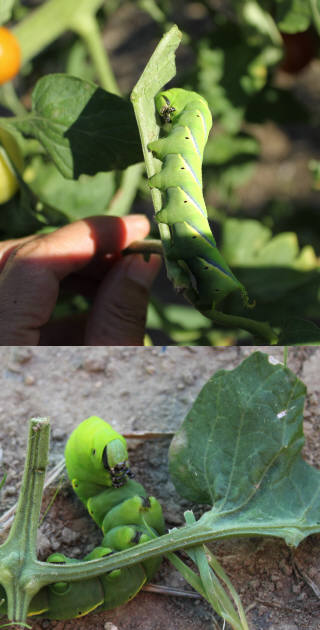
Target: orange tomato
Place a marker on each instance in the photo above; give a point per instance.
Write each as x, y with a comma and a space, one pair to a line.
10, 55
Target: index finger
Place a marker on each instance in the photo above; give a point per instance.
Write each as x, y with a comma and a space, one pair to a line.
30, 280
71, 247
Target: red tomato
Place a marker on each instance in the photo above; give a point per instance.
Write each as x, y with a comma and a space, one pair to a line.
10, 55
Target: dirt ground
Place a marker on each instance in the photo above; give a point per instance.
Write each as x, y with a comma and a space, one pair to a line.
152, 389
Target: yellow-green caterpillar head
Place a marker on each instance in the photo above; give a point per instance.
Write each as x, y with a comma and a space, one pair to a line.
171, 103
96, 455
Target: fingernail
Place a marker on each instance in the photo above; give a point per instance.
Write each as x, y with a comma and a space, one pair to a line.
141, 271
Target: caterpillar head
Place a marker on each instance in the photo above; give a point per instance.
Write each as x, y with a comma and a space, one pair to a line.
96, 455
114, 459
164, 108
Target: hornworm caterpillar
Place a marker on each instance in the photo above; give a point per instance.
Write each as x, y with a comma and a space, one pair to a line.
188, 121
96, 461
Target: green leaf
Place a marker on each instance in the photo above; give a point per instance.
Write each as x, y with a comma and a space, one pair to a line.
159, 70
243, 240
84, 129
283, 279
239, 449
86, 196
223, 147
293, 16
249, 243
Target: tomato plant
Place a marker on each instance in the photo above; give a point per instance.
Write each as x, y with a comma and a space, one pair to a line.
10, 55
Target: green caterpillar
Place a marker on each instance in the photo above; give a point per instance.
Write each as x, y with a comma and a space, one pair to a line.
96, 461
188, 121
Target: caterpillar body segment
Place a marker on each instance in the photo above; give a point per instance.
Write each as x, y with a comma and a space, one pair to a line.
188, 122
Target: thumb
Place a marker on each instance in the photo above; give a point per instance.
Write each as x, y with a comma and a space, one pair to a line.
118, 315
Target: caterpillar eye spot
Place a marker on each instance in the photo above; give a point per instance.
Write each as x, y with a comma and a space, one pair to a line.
185, 201
194, 237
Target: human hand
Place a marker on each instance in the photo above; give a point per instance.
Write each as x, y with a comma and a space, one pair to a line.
82, 257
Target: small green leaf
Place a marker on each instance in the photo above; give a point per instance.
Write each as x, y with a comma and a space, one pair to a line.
239, 449
84, 129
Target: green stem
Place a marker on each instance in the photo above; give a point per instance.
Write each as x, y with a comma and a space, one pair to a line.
18, 553
148, 246
215, 592
85, 24
181, 538
217, 568
48, 22
9, 98
262, 330
254, 15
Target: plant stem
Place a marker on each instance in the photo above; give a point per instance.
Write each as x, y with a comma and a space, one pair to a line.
48, 22
18, 553
262, 330
85, 24
149, 246
9, 98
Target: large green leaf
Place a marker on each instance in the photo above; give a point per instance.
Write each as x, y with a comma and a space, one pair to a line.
273, 269
239, 449
84, 129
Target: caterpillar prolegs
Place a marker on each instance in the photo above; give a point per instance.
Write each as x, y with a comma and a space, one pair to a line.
188, 121
96, 462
